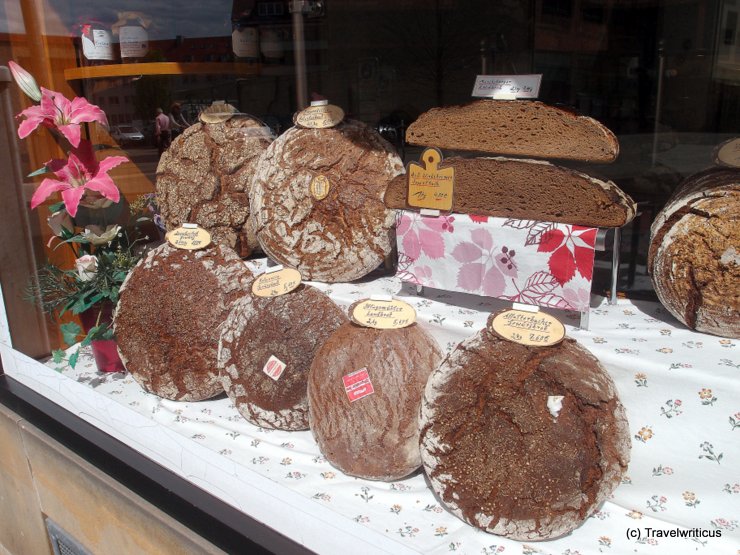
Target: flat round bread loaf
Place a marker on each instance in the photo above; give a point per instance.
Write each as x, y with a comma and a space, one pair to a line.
694, 256
317, 199
376, 435
496, 455
168, 317
204, 178
266, 350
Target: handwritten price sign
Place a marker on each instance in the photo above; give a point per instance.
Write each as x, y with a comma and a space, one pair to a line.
384, 315
274, 284
535, 329
189, 237
429, 186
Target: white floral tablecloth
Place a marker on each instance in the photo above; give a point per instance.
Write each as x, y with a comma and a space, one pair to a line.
680, 388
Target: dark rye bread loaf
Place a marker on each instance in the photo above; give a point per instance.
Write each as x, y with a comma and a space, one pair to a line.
168, 317
694, 256
204, 178
377, 436
494, 453
527, 190
290, 327
517, 128
345, 235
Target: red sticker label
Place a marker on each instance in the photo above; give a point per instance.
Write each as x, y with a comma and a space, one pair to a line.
358, 385
274, 367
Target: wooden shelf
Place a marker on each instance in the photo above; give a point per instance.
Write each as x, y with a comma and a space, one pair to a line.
161, 68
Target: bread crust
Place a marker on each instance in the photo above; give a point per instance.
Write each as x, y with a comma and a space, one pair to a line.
515, 128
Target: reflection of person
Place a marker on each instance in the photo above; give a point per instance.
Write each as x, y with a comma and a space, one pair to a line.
178, 123
162, 131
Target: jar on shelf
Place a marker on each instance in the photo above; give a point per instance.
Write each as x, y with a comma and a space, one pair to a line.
95, 44
245, 43
133, 37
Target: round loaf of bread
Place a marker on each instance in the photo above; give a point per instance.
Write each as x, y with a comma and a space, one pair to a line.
341, 229
376, 436
262, 334
694, 256
168, 317
496, 455
204, 178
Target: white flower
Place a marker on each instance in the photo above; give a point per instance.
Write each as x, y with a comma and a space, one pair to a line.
87, 267
59, 220
99, 236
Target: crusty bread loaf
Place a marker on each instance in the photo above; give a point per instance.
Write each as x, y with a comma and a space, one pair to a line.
168, 317
377, 436
343, 236
496, 455
204, 178
694, 256
289, 327
517, 128
527, 190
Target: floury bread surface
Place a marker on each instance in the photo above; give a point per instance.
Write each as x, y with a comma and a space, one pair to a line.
528, 190
495, 454
343, 236
694, 256
377, 436
289, 327
205, 175
517, 128
168, 318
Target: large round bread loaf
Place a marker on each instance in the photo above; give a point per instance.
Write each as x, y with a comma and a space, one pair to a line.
344, 235
168, 317
694, 256
495, 454
204, 178
375, 436
289, 328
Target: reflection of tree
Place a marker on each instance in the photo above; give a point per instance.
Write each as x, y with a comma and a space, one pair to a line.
439, 45
152, 92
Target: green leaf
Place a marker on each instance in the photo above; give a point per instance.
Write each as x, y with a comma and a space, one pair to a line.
56, 207
41, 171
57, 355
70, 331
73, 358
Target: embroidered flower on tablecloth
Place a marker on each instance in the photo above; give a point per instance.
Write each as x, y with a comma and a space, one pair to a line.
661, 470
690, 500
641, 379
286, 461
396, 508
440, 531
724, 523
327, 475
408, 531
645, 433
321, 496
365, 494
287, 445
677, 365
734, 488
362, 519
600, 340
706, 396
433, 508
726, 343
492, 549
728, 362
735, 420
671, 408
635, 515
708, 452
255, 443
665, 332
295, 475
657, 503
260, 460
664, 350
570, 252
605, 541
693, 344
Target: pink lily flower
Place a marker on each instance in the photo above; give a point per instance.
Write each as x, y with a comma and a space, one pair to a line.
56, 111
79, 173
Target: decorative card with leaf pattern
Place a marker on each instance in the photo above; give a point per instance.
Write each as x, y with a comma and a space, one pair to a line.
541, 263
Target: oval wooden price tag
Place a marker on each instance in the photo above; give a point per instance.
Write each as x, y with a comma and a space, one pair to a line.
384, 315
276, 282
319, 117
218, 112
535, 329
189, 237
728, 153
320, 187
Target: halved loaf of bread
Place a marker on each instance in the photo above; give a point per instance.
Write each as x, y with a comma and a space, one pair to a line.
527, 190
515, 127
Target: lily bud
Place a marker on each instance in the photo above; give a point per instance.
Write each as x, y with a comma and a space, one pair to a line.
25, 81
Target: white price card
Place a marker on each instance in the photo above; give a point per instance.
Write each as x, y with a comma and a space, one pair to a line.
507, 87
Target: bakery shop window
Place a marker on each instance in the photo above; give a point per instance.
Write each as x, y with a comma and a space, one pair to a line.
662, 76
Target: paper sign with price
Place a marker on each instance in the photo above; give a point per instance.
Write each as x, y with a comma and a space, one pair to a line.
384, 315
189, 237
527, 328
358, 385
276, 283
429, 185
507, 87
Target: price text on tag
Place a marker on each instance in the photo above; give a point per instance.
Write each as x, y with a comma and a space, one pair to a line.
507, 87
728, 153
384, 315
535, 329
278, 283
319, 117
189, 238
430, 186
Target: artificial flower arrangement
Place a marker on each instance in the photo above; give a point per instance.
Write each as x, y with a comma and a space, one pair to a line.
93, 219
